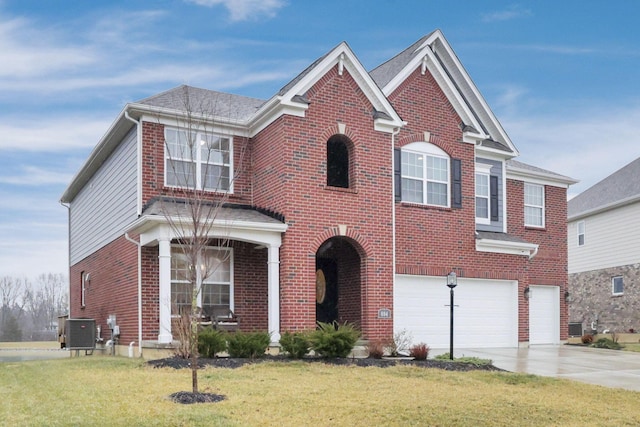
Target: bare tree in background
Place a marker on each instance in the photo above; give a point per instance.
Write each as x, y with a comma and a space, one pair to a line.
11, 308
46, 300
199, 174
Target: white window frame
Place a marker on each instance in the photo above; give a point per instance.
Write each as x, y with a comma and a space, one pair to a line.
199, 162
84, 279
427, 150
210, 280
540, 207
613, 285
583, 232
483, 170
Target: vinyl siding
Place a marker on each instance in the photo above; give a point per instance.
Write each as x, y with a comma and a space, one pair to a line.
106, 204
612, 238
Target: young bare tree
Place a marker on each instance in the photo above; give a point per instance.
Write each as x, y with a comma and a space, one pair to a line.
199, 177
46, 300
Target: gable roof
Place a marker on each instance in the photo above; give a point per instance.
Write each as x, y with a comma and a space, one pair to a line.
618, 189
291, 99
433, 53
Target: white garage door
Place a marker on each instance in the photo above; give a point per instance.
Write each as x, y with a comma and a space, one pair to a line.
485, 311
544, 315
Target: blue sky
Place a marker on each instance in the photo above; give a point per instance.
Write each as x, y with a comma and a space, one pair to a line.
562, 77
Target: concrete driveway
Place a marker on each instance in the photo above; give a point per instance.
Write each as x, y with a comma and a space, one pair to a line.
609, 368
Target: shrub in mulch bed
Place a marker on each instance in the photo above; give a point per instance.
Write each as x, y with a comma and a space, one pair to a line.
226, 362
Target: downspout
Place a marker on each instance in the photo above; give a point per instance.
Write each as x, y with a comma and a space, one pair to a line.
395, 132
126, 236
138, 212
139, 162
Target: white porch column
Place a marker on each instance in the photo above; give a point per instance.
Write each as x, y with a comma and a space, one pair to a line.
274, 292
164, 291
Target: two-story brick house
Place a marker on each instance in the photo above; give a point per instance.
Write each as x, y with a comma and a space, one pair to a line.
350, 196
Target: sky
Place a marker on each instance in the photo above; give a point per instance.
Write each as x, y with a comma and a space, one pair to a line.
561, 76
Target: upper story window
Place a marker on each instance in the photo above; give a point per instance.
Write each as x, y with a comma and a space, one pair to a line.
533, 205
197, 160
425, 174
581, 233
482, 193
215, 275
617, 285
337, 162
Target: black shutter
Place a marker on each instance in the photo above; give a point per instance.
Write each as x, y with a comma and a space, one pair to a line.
493, 191
397, 173
456, 183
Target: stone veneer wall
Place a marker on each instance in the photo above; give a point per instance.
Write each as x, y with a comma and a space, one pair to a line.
591, 295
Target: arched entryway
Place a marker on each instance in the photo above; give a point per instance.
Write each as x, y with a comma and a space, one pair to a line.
339, 281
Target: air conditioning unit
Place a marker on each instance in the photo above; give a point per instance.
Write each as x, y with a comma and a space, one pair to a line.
575, 329
81, 334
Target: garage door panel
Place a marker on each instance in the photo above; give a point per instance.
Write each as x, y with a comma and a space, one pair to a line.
485, 311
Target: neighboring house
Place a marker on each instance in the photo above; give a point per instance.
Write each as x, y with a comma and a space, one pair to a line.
604, 253
375, 185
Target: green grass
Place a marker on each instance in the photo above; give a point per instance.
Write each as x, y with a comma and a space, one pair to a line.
100, 390
631, 347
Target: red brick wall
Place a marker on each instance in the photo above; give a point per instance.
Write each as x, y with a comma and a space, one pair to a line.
150, 293
293, 181
250, 282
153, 167
113, 288
434, 241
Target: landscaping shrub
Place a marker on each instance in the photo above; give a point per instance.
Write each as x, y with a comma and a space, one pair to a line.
401, 343
606, 343
211, 342
249, 345
377, 348
587, 339
419, 351
296, 345
333, 339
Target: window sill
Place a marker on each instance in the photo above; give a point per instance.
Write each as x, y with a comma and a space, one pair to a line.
420, 206
534, 228
617, 295
341, 189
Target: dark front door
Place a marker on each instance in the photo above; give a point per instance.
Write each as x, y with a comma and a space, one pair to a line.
326, 290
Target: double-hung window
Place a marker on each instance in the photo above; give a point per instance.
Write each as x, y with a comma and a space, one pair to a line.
213, 280
197, 160
482, 194
425, 175
533, 205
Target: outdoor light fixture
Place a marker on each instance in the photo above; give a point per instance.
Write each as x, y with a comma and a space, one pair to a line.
452, 282
526, 293
566, 296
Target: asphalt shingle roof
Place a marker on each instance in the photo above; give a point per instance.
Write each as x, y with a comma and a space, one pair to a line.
204, 101
622, 185
386, 71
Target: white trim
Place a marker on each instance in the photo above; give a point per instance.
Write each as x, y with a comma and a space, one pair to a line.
538, 177
507, 247
483, 170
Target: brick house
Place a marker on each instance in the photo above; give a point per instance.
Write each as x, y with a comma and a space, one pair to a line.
604, 253
354, 194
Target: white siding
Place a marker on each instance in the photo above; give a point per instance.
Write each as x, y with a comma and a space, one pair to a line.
106, 204
612, 238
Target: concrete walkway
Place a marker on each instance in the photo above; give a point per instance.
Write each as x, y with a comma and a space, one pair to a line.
609, 368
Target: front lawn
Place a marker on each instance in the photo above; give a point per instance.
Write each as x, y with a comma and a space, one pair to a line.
100, 390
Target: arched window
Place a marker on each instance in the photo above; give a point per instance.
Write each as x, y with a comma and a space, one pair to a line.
337, 162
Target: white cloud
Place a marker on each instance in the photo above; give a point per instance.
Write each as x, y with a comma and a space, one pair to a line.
512, 12
53, 134
36, 176
586, 144
245, 10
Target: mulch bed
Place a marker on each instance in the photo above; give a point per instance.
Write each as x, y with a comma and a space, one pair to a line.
228, 362
186, 397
